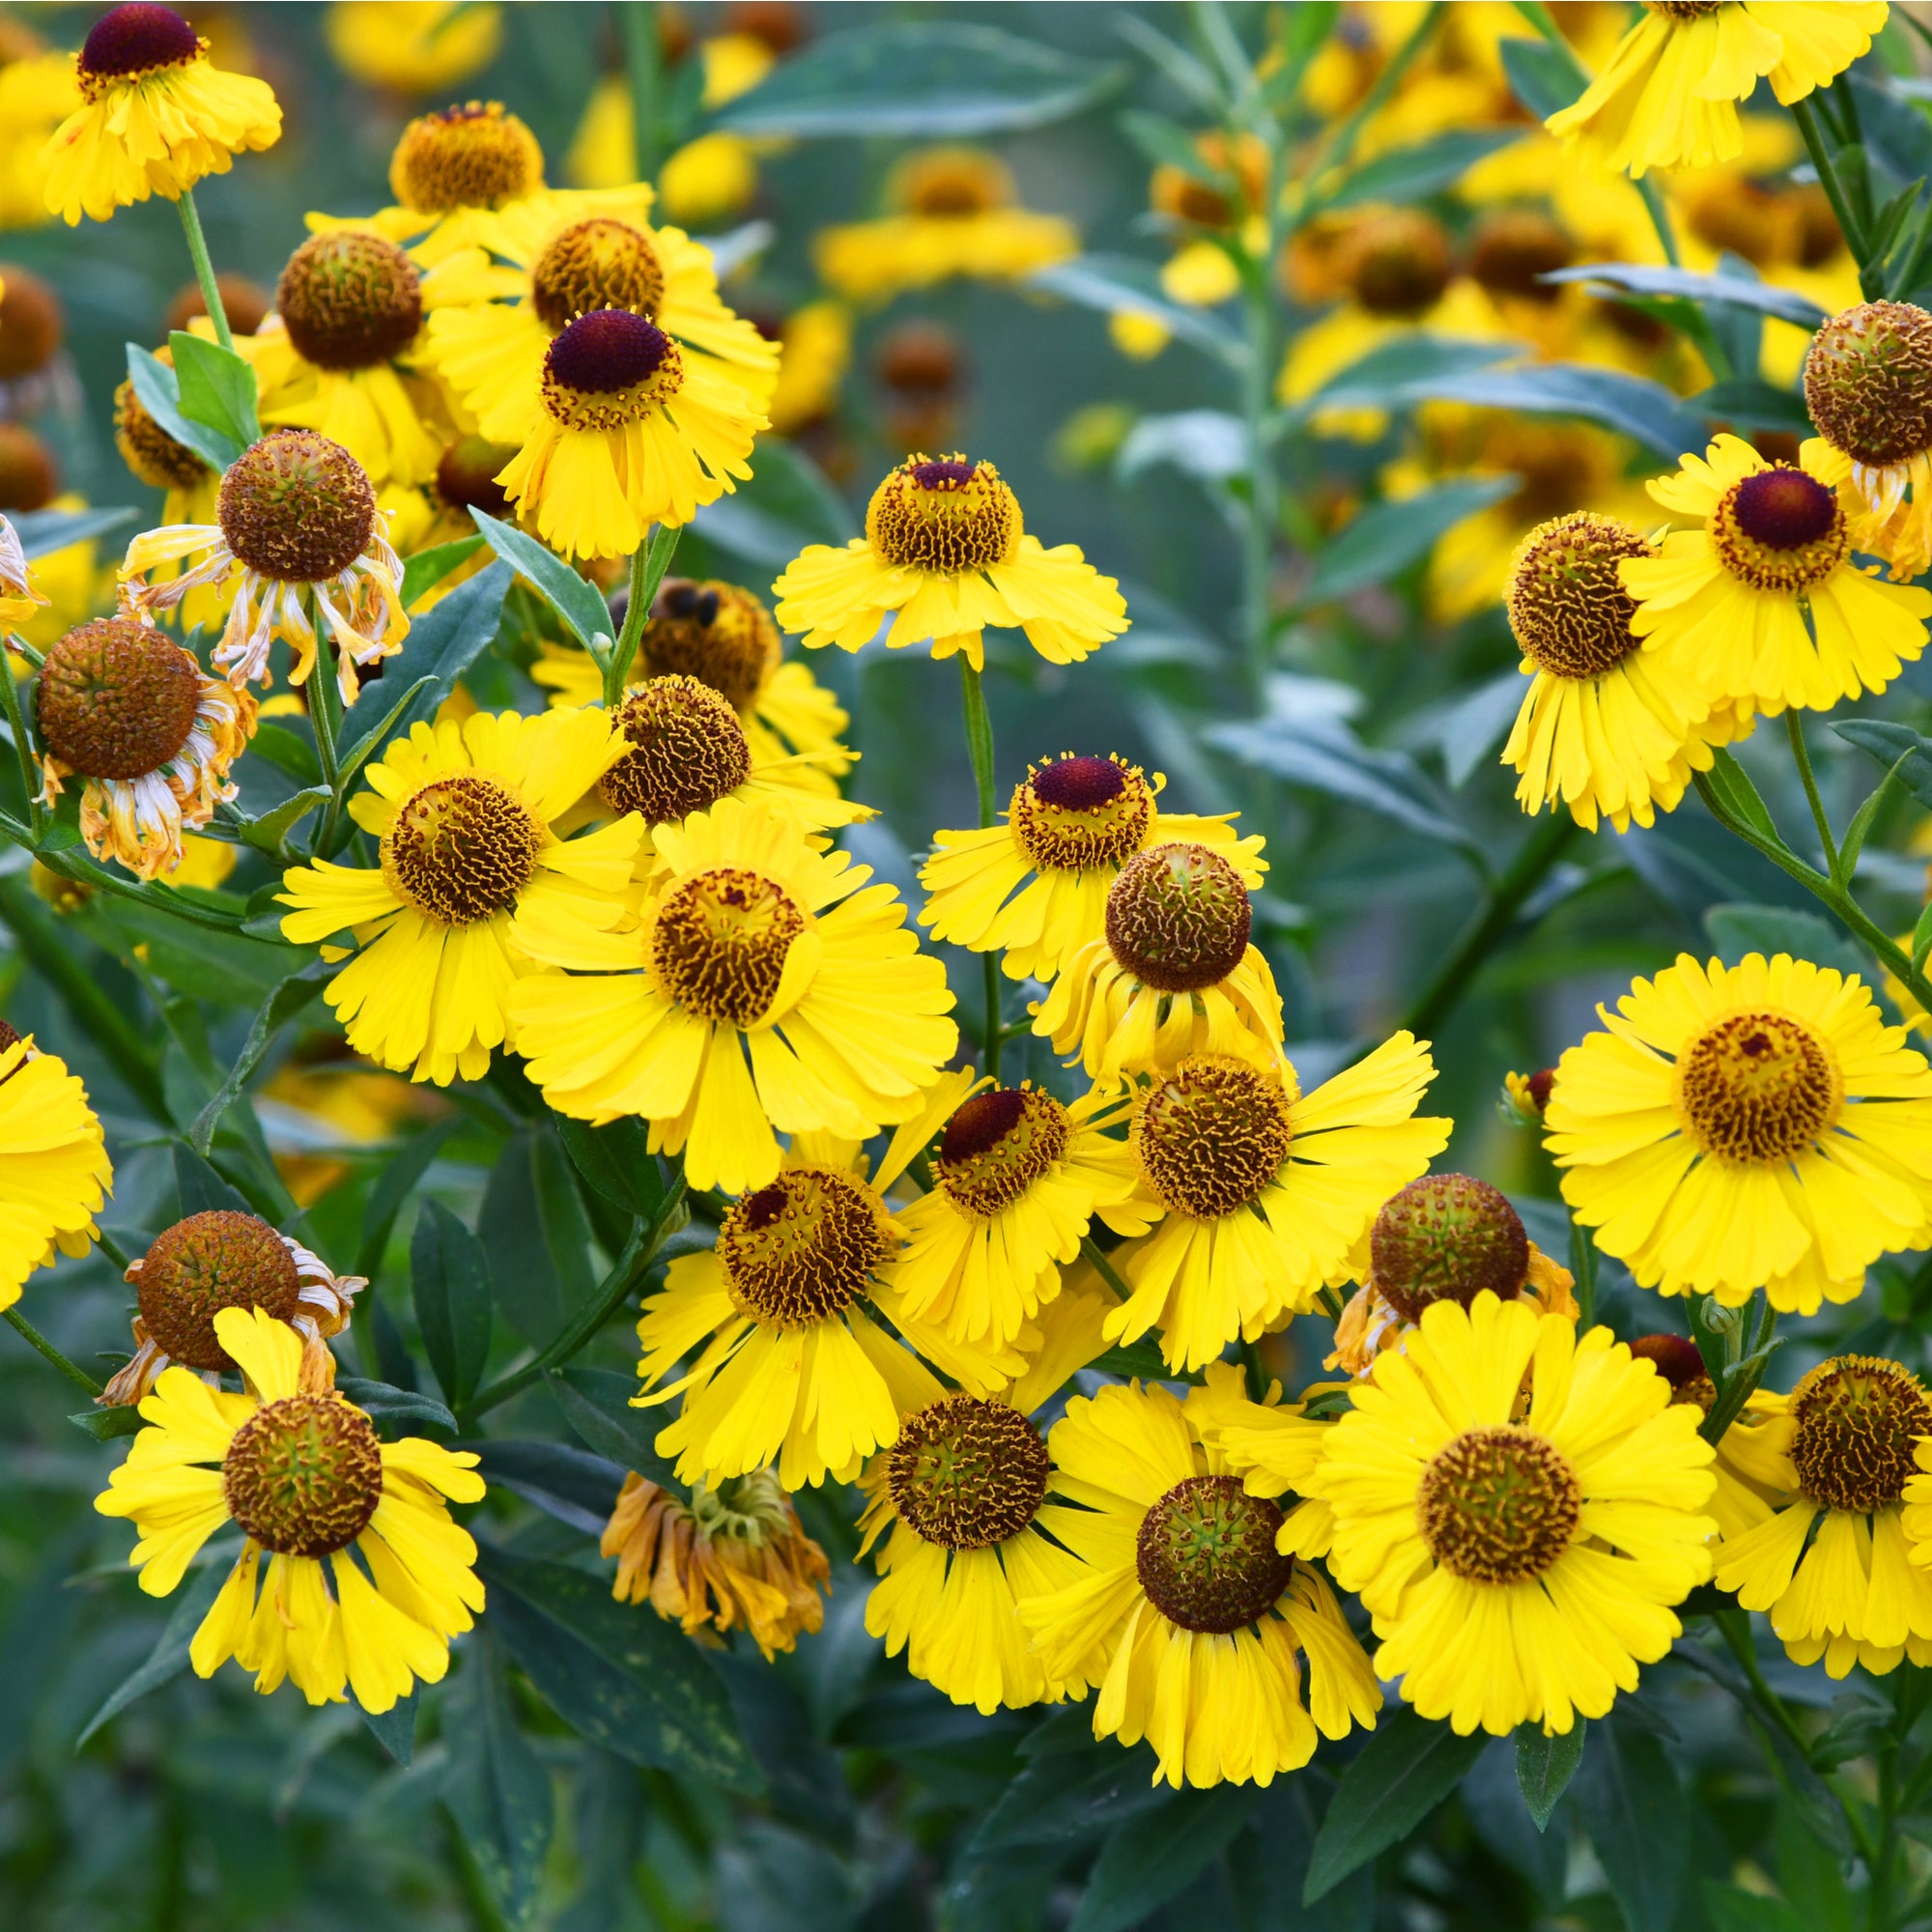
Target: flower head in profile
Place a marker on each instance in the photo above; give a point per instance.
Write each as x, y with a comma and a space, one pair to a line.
735, 1557
296, 519
190, 483
1829, 1515
224, 1258
1518, 1564
767, 989
1611, 724
413, 47
1732, 598
303, 1476
130, 712
465, 816
450, 165
1035, 887
18, 599
945, 554
157, 115
54, 1170
1668, 97
1748, 1127
1187, 1587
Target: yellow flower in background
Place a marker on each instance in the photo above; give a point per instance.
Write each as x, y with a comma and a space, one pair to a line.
157, 116
955, 212
944, 555
1733, 597
1669, 94
55, 1176
709, 179
1264, 1194
37, 93
1519, 1564
1738, 1127
814, 352
1612, 723
768, 985
1195, 1626
1035, 887
413, 47
465, 820
304, 1477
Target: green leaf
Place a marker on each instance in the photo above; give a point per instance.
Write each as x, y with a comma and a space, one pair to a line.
1210, 445
1148, 1859
216, 387
596, 1402
169, 1657
290, 998
1756, 404
268, 833
1387, 375
1070, 1798
395, 1729
449, 1282
565, 1482
1386, 538
1630, 1804
616, 1160
1120, 284
1633, 405
929, 80
395, 1184
44, 532
575, 599
1739, 796
494, 1784
786, 503
1415, 172
1544, 1765
159, 390
1921, 938
106, 1425
1731, 1909
200, 1188
1544, 77
1167, 144
1641, 279
1896, 747
538, 1239
425, 570
395, 1408
350, 763
1403, 1771
624, 1678
1738, 929
286, 751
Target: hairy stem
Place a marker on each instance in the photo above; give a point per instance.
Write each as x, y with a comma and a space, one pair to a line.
72, 1371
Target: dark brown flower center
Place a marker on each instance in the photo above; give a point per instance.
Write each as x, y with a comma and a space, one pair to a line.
29, 476
1859, 1419
717, 633
1678, 1362
303, 1475
131, 40
720, 942
1780, 529
1868, 381
461, 848
1205, 1556
599, 263
117, 699
1498, 1505
1179, 917
1447, 1237
803, 1249
967, 1474
1758, 1086
349, 299
1399, 263
1079, 813
1567, 604
1212, 1135
296, 507
688, 752
998, 1145
945, 517
31, 323
212, 1261
1515, 249
465, 476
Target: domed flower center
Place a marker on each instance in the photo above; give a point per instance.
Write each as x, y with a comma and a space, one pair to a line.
31, 323
303, 1475
1079, 813
1679, 1363
803, 1248
1213, 1135
117, 699
943, 517
1780, 529
201, 1266
716, 633
475, 156
598, 264
349, 299
1205, 1556
154, 457
689, 749
967, 1474
1515, 249
1868, 381
461, 848
719, 944
997, 1145
1446, 1237
1758, 1086
1859, 1419
1570, 612
948, 182
296, 507
1178, 918
1399, 263
610, 368
1498, 1505
128, 40
465, 476
28, 477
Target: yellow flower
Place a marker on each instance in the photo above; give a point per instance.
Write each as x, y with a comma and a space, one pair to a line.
413, 47
1668, 97
709, 179
1194, 1624
37, 93
222, 1259
733, 1556
1732, 598
1035, 887
1837, 1453
783, 1361
296, 514
1519, 1564
956, 214
470, 860
18, 598
304, 1477
766, 987
814, 352
1748, 1127
127, 709
1611, 724
1264, 1193
157, 116
56, 1171
944, 555
967, 1501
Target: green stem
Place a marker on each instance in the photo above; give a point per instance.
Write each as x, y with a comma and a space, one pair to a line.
35, 1340
648, 566
1583, 1271
17, 723
1534, 858
1806, 113
1264, 506
204, 269
640, 27
1795, 731
979, 751
1739, 1388
1734, 1627
322, 700
1090, 1251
